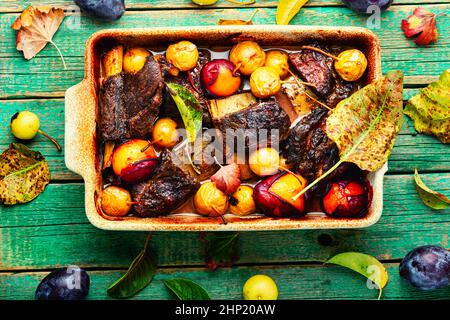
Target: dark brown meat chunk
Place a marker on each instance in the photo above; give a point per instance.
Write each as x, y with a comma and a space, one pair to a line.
308, 147
318, 69
169, 188
265, 120
314, 68
129, 103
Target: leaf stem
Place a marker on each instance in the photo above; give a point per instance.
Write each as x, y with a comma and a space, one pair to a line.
60, 54
320, 51
58, 146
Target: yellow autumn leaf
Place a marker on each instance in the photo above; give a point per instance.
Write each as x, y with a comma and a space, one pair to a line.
287, 9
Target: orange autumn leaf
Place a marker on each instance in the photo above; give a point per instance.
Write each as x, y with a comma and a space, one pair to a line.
35, 28
225, 22
423, 23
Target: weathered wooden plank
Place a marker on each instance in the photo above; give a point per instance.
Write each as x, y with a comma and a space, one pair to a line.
20, 78
53, 231
410, 151
294, 282
17, 6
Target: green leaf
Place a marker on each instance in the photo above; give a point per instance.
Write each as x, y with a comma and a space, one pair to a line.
189, 108
430, 109
138, 276
24, 174
222, 249
186, 289
431, 198
365, 125
365, 265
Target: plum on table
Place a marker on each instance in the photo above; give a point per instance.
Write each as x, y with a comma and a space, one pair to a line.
361, 6
427, 267
107, 10
70, 283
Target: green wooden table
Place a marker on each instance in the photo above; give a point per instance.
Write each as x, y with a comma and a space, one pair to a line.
53, 231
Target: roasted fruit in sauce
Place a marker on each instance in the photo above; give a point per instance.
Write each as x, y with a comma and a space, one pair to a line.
183, 55
210, 201
351, 64
25, 126
165, 133
346, 199
264, 162
218, 78
260, 287
265, 82
107, 10
361, 6
279, 60
134, 161
247, 56
274, 195
134, 59
242, 202
116, 201
59, 285
113, 61
427, 267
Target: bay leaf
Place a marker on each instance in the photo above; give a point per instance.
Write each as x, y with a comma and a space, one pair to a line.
185, 289
430, 109
139, 275
365, 265
189, 108
222, 249
430, 197
24, 174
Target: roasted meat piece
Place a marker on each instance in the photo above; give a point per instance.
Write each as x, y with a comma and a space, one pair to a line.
318, 69
308, 147
129, 103
169, 187
245, 115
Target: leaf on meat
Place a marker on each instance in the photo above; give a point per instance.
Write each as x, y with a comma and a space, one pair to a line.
365, 125
287, 9
430, 109
189, 108
227, 178
36, 27
139, 275
24, 174
185, 289
225, 22
423, 23
365, 265
433, 199
222, 249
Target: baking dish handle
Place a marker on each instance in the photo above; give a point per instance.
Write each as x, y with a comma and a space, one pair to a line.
80, 126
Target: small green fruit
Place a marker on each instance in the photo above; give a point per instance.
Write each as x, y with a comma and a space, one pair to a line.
25, 125
260, 287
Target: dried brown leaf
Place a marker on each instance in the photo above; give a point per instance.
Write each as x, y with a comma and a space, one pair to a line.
36, 27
